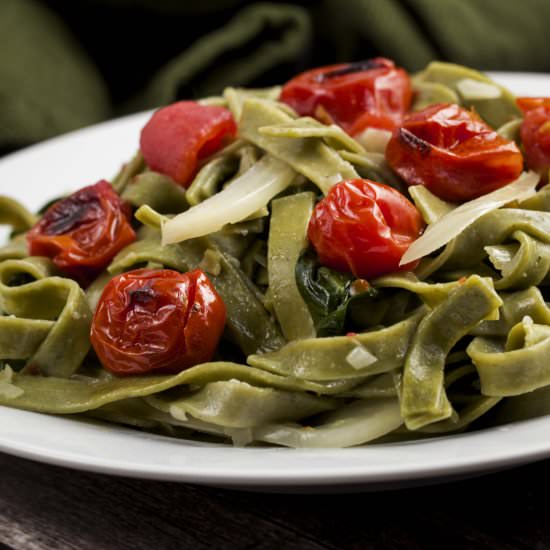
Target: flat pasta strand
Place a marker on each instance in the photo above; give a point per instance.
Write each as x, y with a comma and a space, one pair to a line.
309, 156
84, 393
519, 366
50, 314
423, 399
287, 239
327, 358
237, 404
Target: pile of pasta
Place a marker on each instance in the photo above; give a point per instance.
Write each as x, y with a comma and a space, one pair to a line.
306, 360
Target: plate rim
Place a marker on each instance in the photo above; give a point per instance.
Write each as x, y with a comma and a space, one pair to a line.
301, 477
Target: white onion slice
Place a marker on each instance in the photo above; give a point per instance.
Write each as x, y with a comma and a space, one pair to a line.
7, 389
374, 140
246, 194
360, 357
473, 90
449, 226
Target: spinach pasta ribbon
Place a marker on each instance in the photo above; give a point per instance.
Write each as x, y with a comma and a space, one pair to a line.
519, 365
327, 359
309, 156
423, 398
494, 228
46, 318
89, 392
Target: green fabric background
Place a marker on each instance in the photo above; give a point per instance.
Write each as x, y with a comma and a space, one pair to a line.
67, 63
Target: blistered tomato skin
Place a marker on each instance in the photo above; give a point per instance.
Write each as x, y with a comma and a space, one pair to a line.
356, 96
157, 321
535, 133
83, 232
364, 227
451, 151
178, 136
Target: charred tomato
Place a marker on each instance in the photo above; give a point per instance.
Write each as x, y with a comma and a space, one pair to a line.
364, 227
454, 153
372, 93
83, 232
535, 133
157, 321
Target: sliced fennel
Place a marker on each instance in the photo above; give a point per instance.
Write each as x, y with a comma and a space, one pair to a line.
472, 90
246, 194
452, 224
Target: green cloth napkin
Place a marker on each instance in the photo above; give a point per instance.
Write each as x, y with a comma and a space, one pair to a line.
66, 64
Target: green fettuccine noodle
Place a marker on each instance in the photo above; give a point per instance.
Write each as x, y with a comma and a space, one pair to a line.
157, 191
235, 97
310, 356
380, 385
15, 214
539, 201
328, 358
521, 266
86, 393
516, 306
428, 93
128, 172
511, 130
423, 398
431, 294
522, 407
307, 127
519, 366
287, 239
210, 178
16, 249
350, 425
373, 166
495, 228
237, 404
467, 403
431, 207
496, 110
309, 156
49, 314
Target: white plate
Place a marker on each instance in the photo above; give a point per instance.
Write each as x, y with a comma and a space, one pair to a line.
83, 157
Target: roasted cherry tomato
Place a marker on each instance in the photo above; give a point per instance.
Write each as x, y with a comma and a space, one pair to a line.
157, 321
453, 153
83, 232
372, 93
178, 136
535, 133
364, 227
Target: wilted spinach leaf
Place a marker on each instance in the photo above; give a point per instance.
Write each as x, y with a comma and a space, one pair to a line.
328, 294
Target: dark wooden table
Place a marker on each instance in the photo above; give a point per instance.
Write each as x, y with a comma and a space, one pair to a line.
46, 507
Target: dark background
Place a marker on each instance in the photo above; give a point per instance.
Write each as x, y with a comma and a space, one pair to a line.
66, 64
